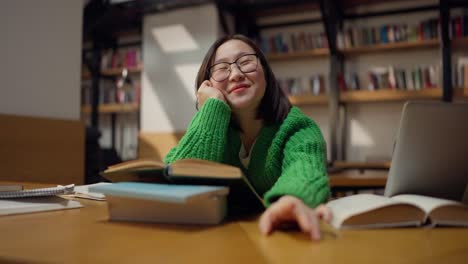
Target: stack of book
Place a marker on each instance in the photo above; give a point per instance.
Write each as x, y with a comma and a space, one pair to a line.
186, 191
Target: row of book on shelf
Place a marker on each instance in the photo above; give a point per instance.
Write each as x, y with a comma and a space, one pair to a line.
110, 93
389, 77
387, 33
313, 85
118, 58
364, 36
392, 77
391, 33
294, 42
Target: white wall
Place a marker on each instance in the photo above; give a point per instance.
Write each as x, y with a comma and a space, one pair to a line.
40, 49
168, 82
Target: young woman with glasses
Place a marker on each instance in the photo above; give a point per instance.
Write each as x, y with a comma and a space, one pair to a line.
245, 120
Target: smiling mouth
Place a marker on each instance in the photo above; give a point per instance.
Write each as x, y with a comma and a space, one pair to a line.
239, 89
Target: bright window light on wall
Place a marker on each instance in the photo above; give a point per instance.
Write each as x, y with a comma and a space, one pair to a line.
174, 38
187, 74
359, 136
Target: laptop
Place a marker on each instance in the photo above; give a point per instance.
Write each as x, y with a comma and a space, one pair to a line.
430, 155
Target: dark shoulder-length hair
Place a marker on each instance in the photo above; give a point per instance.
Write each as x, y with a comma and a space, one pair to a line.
274, 106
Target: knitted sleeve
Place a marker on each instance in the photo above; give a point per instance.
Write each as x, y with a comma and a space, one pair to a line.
304, 173
206, 135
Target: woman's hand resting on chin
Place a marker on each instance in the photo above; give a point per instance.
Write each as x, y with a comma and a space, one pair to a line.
205, 91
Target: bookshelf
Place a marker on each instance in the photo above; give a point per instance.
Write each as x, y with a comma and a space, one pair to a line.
315, 53
460, 93
113, 108
460, 42
118, 103
118, 71
382, 95
398, 46
302, 100
377, 48
387, 95
339, 164
421, 33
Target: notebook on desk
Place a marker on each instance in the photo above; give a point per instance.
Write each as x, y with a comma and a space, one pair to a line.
35, 204
431, 151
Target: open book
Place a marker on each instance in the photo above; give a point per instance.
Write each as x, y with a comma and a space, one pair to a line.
189, 171
374, 211
185, 170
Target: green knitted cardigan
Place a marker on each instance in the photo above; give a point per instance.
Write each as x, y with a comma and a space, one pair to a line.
286, 159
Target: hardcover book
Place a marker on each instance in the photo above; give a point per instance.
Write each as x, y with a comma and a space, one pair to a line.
164, 203
242, 196
374, 211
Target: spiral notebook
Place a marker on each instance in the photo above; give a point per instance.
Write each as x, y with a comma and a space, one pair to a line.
40, 192
36, 200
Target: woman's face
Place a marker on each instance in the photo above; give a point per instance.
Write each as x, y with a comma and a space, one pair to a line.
243, 91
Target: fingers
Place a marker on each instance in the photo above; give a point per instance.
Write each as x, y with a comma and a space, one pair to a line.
315, 225
289, 209
207, 90
324, 213
303, 218
275, 214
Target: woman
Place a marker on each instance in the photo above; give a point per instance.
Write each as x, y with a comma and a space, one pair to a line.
245, 120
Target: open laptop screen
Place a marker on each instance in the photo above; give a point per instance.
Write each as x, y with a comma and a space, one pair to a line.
431, 151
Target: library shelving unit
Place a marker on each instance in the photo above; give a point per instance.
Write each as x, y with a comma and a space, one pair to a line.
118, 71
109, 108
388, 47
388, 95
308, 99
113, 108
382, 95
315, 53
333, 15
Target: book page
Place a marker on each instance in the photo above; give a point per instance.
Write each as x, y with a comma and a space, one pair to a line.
424, 202
36, 204
203, 169
346, 207
82, 191
136, 164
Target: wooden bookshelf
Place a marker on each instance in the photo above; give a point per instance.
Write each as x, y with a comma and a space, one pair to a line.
460, 93
460, 42
118, 71
397, 46
392, 47
308, 99
298, 55
86, 75
339, 164
113, 108
355, 179
384, 95
112, 72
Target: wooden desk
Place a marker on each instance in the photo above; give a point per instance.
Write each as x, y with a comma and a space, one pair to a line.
85, 236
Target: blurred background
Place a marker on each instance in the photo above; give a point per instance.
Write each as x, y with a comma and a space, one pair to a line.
87, 84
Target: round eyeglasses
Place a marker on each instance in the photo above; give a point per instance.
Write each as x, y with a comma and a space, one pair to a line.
245, 63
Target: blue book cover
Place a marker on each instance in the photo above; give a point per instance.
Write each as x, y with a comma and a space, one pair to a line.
159, 192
